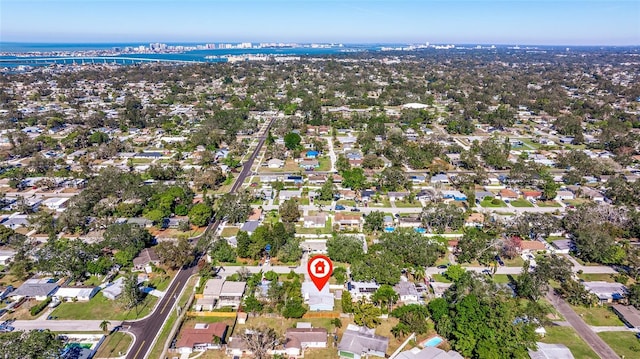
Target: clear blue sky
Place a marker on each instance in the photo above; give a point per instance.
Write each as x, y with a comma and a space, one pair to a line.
554, 22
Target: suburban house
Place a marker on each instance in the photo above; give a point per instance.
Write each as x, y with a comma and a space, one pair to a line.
407, 292
563, 246
309, 164
508, 195
439, 178
409, 222
56, 204
439, 288
346, 220
546, 351
145, 259
529, 195
531, 246
201, 337
114, 290
317, 300
317, 221
210, 295
302, 337
607, 292
231, 294
481, 195
39, 289
250, 226
275, 163
426, 195
429, 353
475, 220
362, 290
358, 342
81, 294
397, 196
628, 314
564, 195
287, 194
454, 194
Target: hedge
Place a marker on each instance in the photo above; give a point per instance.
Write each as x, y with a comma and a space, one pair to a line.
36, 309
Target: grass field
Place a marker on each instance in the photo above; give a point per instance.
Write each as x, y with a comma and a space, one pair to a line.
569, 337
591, 277
548, 204
521, 203
99, 308
229, 231
624, 344
115, 344
490, 203
598, 316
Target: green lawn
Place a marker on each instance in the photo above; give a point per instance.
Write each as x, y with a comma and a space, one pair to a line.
592, 277
598, 316
493, 203
440, 278
406, 204
568, 337
325, 163
229, 231
624, 344
347, 203
326, 230
99, 308
501, 278
515, 262
548, 204
521, 203
115, 344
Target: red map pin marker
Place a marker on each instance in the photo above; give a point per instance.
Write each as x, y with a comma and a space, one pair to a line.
319, 269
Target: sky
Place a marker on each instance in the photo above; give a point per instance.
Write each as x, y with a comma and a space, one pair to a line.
515, 22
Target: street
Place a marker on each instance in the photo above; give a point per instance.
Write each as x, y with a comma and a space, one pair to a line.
146, 330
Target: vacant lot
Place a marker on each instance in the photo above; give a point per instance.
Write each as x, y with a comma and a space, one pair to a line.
569, 337
624, 344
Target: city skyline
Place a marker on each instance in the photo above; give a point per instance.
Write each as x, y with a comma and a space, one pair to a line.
565, 22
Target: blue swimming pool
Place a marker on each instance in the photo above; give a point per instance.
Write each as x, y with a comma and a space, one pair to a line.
389, 229
420, 230
432, 342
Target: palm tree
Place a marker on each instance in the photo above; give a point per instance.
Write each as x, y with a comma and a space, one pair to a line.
104, 325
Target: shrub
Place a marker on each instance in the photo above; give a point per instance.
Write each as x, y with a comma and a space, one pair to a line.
36, 309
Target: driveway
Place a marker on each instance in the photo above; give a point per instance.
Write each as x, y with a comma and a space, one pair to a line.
63, 325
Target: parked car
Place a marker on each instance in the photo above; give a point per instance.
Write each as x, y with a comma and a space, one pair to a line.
339, 207
354, 209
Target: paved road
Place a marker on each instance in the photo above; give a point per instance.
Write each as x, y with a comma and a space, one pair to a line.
584, 331
416, 210
63, 325
517, 270
147, 329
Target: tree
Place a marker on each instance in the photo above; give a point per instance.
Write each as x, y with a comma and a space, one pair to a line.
366, 314
385, 296
442, 216
234, 207
476, 244
413, 317
410, 249
347, 302
346, 249
290, 252
175, 256
354, 179
382, 268
104, 325
454, 272
289, 211
374, 221
200, 214
327, 191
634, 295
34, 344
393, 179
131, 293
292, 140
575, 293
222, 251
260, 340
340, 274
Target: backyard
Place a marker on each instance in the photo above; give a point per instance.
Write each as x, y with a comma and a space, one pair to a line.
624, 344
569, 337
99, 307
115, 345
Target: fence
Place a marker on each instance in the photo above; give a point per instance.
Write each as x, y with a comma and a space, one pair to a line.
212, 314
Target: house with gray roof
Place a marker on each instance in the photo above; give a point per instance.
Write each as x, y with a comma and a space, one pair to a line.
250, 226
550, 351
358, 342
429, 353
39, 289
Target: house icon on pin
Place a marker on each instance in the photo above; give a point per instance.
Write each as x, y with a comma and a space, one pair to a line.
320, 267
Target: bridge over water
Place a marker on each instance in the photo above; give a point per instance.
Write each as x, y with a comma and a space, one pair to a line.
92, 60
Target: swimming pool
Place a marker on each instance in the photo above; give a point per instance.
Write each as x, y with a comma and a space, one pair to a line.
389, 229
420, 230
432, 342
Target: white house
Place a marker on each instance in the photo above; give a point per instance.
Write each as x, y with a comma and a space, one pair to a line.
57, 204
275, 163
317, 221
302, 337
407, 292
317, 300
82, 294
6, 256
362, 290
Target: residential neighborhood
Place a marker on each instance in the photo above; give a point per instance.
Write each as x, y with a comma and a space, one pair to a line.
175, 208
